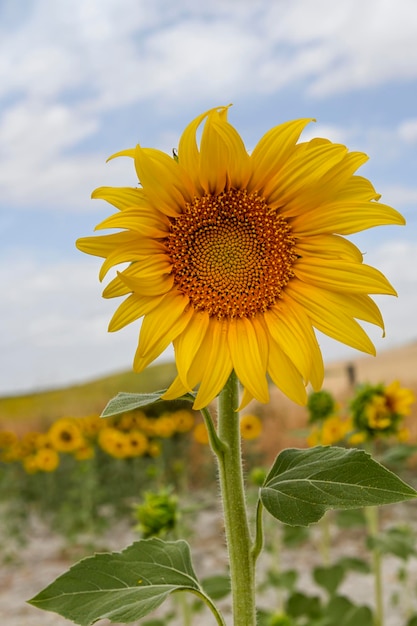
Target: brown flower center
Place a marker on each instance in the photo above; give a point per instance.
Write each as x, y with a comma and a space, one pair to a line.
230, 255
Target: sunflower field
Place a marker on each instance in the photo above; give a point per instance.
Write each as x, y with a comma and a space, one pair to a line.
81, 473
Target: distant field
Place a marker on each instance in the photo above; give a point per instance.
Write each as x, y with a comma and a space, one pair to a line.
79, 400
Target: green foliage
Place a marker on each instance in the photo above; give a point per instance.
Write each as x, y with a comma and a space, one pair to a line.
330, 577
320, 404
121, 586
399, 541
157, 514
303, 484
125, 402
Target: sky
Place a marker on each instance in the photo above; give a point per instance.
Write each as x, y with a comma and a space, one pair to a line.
84, 79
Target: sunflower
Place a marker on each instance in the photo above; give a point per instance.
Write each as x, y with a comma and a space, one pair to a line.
47, 459
65, 435
235, 258
250, 426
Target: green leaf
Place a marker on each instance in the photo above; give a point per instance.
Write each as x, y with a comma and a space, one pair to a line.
329, 577
303, 484
399, 541
121, 586
125, 402
300, 604
217, 586
354, 564
343, 612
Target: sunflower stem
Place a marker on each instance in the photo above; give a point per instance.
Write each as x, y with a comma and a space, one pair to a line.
239, 544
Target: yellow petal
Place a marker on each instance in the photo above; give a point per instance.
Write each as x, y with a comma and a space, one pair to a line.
149, 223
164, 181
358, 188
213, 362
175, 390
159, 328
272, 151
146, 267
285, 375
188, 152
300, 171
345, 218
148, 278
131, 310
238, 161
214, 157
249, 356
129, 152
187, 344
328, 246
121, 197
341, 275
329, 319
105, 244
290, 338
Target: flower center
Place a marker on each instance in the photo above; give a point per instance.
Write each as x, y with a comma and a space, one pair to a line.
230, 255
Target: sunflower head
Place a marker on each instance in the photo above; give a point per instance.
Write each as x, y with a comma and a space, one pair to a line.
236, 258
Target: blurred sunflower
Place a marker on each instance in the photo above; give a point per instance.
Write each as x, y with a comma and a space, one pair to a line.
379, 410
235, 257
184, 421
46, 459
65, 435
114, 442
137, 442
250, 426
200, 433
164, 426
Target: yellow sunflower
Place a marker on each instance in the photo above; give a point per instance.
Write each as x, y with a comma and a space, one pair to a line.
235, 258
65, 435
250, 427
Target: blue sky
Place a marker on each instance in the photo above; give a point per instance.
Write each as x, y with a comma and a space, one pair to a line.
81, 80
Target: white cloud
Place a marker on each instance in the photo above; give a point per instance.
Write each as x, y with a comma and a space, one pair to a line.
54, 326
65, 65
407, 130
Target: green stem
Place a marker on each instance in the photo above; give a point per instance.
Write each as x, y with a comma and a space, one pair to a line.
241, 562
372, 522
372, 518
325, 538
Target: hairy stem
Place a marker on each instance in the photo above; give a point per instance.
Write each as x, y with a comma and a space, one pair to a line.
239, 543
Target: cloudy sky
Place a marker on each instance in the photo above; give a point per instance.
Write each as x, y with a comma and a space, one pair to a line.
81, 80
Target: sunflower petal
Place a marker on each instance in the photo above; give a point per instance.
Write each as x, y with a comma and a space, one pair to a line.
213, 363
341, 275
346, 218
273, 150
167, 186
187, 344
105, 244
159, 328
249, 361
131, 310
285, 375
328, 246
188, 152
121, 197
147, 223
328, 319
300, 171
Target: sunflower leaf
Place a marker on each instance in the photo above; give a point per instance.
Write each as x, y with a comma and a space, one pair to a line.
303, 484
124, 402
121, 586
